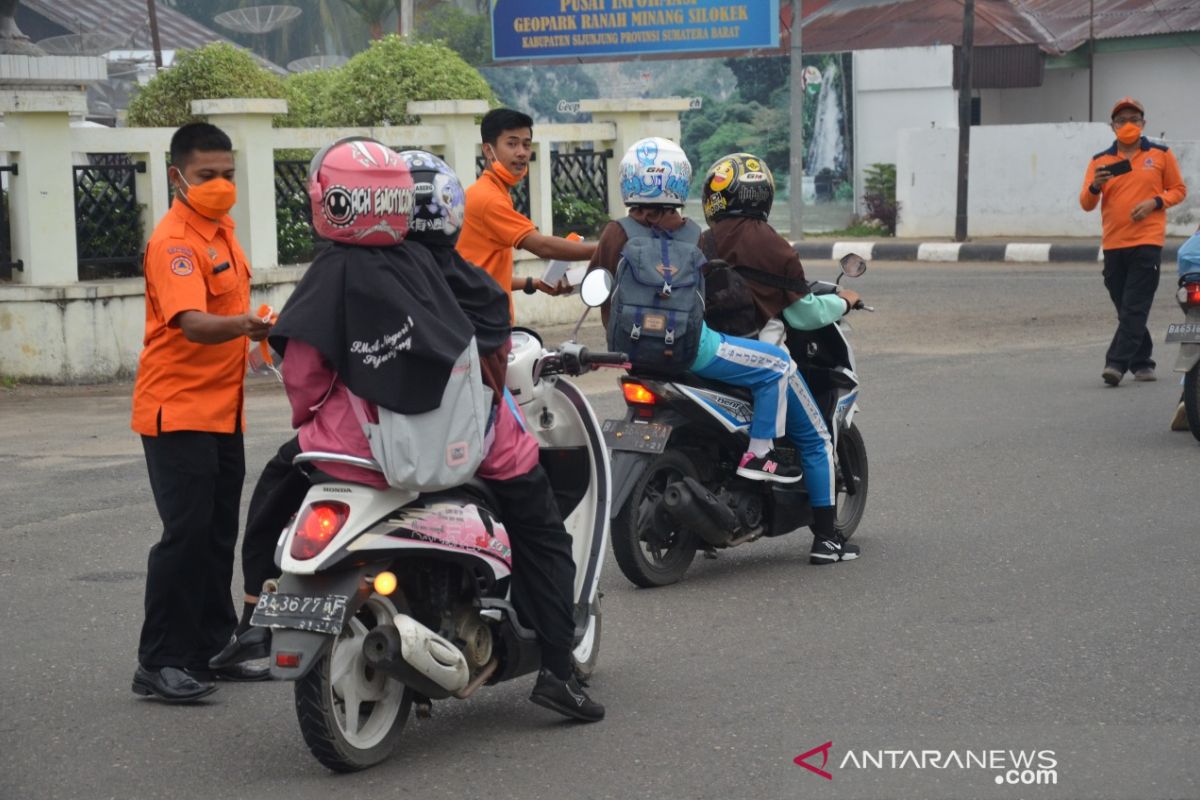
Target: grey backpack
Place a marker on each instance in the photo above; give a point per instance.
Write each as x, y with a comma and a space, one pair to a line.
657, 306
438, 449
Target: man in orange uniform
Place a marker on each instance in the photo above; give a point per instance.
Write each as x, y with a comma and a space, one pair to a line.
492, 227
1135, 181
187, 406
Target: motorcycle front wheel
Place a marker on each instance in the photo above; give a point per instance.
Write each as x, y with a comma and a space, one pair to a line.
350, 713
650, 547
851, 468
1191, 399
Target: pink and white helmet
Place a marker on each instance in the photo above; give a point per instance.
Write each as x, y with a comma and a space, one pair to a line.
361, 193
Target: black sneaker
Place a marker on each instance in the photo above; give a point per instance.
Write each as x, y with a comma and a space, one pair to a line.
565, 697
768, 468
830, 551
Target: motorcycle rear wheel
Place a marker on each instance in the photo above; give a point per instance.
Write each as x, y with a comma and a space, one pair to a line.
1191, 399
852, 454
650, 548
332, 698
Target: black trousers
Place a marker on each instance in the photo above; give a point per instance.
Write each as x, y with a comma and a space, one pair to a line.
277, 496
1131, 277
197, 480
543, 579
543, 575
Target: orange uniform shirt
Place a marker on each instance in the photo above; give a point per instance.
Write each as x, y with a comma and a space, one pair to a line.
492, 227
192, 264
1155, 173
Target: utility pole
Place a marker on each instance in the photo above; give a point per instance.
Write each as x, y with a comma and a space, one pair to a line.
154, 34
964, 119
1091, 55
796, 115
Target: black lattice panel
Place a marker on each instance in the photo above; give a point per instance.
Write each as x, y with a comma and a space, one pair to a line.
583, 174
520, 193
293, 214
108, 220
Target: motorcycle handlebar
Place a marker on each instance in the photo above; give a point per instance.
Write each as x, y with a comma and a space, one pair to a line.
587, 357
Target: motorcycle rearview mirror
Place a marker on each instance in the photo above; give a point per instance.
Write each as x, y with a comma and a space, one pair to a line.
595, 290
596, 287
853, 265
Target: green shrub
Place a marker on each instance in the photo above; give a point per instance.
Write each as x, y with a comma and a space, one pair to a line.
573, 214
310, 99
879, 183
375, 87
217, 70
296, 240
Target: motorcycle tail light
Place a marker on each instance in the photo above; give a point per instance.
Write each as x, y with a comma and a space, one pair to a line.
317, 526
638, 395
288, 660
1189, 294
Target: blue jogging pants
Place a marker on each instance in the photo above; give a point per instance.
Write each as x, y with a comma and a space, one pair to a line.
782, 404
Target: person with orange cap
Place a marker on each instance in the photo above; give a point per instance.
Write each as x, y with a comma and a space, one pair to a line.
1134, 182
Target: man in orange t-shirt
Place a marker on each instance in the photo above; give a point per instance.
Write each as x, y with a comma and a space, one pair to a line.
1134, 181
188, 408
492, 227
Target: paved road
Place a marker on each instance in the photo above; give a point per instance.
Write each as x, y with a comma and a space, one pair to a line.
1029, 582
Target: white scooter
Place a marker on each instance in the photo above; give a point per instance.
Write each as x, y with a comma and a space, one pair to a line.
389, 599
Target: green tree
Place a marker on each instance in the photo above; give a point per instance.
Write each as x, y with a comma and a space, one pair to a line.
469, 35
374, 13
216, 70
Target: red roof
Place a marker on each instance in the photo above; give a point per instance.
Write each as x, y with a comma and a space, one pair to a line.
1055, 26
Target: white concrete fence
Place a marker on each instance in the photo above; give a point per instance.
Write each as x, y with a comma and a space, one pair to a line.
55, 328
1024, 181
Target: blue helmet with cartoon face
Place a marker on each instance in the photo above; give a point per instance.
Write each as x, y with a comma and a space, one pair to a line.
655, 172
439, 202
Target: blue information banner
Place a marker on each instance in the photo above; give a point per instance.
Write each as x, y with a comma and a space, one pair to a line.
524, 29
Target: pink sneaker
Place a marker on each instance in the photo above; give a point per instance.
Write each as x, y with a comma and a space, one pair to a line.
767, 468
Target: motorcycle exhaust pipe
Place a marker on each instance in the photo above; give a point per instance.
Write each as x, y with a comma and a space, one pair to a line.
699, 510
417, 657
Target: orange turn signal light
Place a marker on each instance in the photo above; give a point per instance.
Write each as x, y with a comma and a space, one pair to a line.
385, 583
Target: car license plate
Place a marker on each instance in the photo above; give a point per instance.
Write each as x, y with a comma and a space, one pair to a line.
638, 437
319, 614
1183, 332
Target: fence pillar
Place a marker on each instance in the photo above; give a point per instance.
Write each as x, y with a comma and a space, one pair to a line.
153, 190
458, 118
634, 119
248, 123
541, 188
42, 193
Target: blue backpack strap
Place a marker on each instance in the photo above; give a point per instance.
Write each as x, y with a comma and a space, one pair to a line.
633, 229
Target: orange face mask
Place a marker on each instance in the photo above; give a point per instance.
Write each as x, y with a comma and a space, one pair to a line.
213, 198
504, 173
1128, 133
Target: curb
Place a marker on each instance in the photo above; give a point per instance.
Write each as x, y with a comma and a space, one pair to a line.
1026, 252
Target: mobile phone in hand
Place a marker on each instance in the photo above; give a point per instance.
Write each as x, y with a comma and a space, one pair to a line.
1117, 167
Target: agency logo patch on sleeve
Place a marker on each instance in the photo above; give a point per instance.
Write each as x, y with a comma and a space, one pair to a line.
182, 266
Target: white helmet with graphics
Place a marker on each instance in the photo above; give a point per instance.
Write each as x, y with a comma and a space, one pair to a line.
655, 172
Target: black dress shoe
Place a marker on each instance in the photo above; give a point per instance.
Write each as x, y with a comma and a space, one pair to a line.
170, 684
251, 644
238, 673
